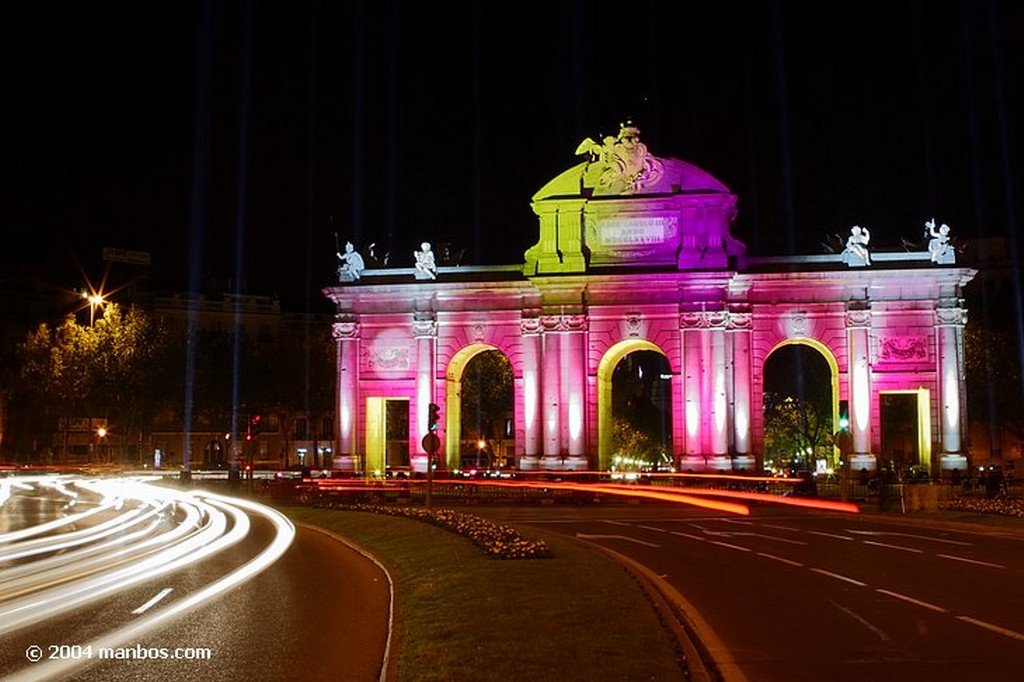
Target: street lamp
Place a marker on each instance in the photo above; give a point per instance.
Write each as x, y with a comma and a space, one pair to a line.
95, 300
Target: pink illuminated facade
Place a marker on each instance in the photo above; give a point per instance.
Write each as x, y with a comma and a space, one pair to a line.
635, 253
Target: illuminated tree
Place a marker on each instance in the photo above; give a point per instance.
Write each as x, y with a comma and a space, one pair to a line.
486, 396
797, 431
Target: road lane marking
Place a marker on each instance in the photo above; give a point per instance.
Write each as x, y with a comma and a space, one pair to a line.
778, 558
917, 602
726, 544
902, 549
587, 536
154, 601
689, 535
830, 574
660, 530
615, 523
738, 523
776, 539
970, 561
993, 628
863, 621
789, 528
910, 535
830, 535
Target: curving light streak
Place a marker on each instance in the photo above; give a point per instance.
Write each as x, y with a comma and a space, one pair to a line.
282, 540
206, 530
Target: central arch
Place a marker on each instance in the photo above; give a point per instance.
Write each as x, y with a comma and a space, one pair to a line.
605, 369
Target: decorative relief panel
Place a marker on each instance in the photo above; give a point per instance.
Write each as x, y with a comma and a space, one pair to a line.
389, 358
903, 349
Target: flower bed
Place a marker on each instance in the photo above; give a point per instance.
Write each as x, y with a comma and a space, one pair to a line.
496, 540
1002, 507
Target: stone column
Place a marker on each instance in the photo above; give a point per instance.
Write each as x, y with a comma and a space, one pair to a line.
858, 328
949, 329
574, 390
717, 401
738, 332
425, 330
531, 393
346, 418
551, 390
692, 364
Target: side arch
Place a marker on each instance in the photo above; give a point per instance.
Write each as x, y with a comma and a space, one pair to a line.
452, 413
605, 369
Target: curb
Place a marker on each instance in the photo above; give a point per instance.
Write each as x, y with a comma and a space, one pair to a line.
705, 657
387, 666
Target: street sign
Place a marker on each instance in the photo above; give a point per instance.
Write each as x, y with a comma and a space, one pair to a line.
125, 256
431, 443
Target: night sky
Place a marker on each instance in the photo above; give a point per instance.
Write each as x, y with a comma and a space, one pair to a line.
240, 137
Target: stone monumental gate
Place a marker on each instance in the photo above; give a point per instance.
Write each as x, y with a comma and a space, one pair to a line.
634, 254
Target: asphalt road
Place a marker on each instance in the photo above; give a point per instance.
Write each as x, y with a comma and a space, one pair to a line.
789, 595
318, 612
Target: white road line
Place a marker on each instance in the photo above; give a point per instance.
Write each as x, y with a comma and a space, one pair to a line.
902, 549
738, 523
863, 621
971, 561
660, 530
586, 536
778, 558
726, 544
689, 535
994, 628
777, 539
830, 574
830, 535
614, 523
917, 602
771, 525
153, 602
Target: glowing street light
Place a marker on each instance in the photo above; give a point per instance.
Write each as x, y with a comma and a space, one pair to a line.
95, 300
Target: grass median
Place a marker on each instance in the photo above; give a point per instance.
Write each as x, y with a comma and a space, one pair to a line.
464, 616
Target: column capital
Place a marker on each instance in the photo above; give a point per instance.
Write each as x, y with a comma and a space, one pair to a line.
858, 315
424, 326
530, 325
564, 323
950, 317
704, 319
345, 329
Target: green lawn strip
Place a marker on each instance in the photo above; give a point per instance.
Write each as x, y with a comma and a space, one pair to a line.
464, 616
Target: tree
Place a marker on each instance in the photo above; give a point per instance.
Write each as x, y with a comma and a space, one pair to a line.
796, 431
104, 370
486, 395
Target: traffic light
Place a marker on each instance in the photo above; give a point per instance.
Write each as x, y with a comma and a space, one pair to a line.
433, 415
844, 415
254, 424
